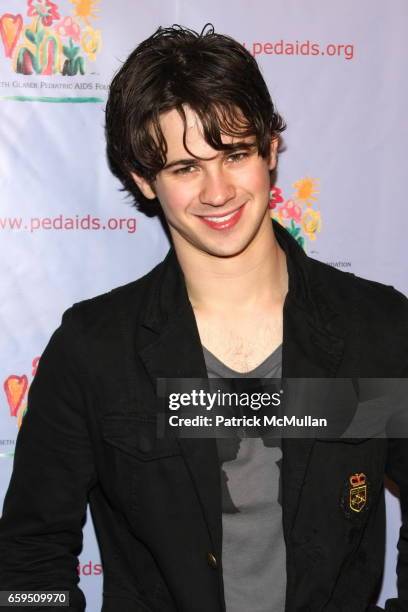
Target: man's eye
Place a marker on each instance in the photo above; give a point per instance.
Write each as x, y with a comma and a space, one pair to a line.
236, 157
185, 170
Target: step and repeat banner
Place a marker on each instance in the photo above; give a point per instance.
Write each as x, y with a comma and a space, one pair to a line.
66, 231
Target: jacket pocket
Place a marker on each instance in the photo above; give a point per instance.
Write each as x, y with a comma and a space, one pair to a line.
138, 435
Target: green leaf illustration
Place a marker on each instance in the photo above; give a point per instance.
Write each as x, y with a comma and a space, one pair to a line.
31, 36
81, 64
70, 51
40, 36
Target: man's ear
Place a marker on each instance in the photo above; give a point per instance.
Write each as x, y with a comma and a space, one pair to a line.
273, 152
144, 186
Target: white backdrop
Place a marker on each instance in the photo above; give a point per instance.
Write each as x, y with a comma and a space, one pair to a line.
66, 232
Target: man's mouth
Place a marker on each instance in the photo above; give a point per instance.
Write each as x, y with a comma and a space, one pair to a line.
225, 221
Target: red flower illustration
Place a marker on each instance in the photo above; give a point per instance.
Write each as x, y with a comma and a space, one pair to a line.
46, 10
275, 197
68, 27
290, 210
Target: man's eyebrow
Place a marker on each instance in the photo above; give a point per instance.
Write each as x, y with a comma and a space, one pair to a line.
182, 162
191, 161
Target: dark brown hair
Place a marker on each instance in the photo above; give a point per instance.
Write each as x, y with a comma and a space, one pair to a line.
211, 73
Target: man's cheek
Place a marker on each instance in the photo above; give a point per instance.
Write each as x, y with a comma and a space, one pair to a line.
256, 180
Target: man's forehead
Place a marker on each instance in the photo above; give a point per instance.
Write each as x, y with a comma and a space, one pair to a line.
172, 123
173, 128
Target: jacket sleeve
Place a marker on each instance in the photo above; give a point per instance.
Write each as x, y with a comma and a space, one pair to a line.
45, 505
397, 468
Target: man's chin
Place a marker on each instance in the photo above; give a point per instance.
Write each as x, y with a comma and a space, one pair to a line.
225, 250
220, 246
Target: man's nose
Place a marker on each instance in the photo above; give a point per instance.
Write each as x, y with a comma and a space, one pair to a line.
217, 188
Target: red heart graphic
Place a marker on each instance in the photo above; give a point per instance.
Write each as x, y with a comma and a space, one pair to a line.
10, 30
15, 388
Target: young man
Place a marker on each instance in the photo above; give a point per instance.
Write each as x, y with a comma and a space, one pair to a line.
181, 524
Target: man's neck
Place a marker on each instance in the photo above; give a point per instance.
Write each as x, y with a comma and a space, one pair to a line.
254, 280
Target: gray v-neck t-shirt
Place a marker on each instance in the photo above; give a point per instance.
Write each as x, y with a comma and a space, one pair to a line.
253, 547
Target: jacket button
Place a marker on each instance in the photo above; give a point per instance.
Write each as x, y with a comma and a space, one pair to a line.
212, 560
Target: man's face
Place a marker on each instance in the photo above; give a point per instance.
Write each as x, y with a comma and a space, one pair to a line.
217, 204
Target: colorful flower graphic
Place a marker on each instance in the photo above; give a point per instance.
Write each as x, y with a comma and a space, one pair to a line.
10, 30
290, 210
306, 190
16, 390
50, 43
297, 214
311, 223
91, 42
69, 28
44, 9
74, 62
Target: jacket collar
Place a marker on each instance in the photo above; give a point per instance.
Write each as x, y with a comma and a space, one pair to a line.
170, 347
167, 295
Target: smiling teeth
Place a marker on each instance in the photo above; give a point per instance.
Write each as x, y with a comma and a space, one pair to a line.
221, 219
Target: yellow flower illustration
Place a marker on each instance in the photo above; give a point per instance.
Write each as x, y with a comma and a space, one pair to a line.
91, 42
85, 9
306, 190
311, 223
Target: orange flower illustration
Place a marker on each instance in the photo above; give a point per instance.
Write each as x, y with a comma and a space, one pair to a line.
306, 190
85, 9
16, 390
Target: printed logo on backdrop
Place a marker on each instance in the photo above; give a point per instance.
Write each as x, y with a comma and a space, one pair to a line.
302, 48
16, 388
300, 214
49, 40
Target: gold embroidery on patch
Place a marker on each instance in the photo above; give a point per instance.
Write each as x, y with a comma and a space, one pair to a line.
358, 492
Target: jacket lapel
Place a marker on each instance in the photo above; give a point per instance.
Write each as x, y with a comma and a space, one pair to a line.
313, 347
176, 352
